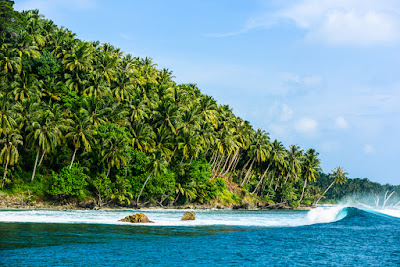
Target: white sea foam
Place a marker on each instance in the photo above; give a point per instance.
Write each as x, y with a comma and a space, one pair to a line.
325, 214
172, 217
391, 212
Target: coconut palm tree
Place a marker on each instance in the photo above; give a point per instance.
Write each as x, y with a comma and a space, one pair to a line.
43, 135
9, 153
25, 86
10, 61
338, 176
294, 157
8, 113
156, 165
115, 153
82, 135
311, 168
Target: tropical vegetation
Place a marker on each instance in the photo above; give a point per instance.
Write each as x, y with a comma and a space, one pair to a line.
82, 120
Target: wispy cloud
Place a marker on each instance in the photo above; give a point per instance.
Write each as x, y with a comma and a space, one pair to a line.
369, 149
335, 22
306, 126
341, 123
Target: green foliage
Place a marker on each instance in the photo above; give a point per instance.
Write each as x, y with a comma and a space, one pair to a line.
10, 20
69, 182
122, 190
103, 188
289, 193
44, 66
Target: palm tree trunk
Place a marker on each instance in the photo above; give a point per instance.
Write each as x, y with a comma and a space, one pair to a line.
141, 191
236, 162
73, 158
226, 162
287, 177
325, 192
232, 161
41, 158
262, 178
126, 167
248, 172
219, 165
277, 182
4, 175
304, 187
169, 160
34, 168
215, 161
212, 157
181, 160
244, 167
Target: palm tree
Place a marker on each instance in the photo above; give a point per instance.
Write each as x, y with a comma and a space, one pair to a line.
26, 86
115, 153
82, 134
157, 164
294, 158
311, 168
79, 58
10, 61
97, 86
43, 135
142, 136
339, 177
123, 86
9, 153
8, 113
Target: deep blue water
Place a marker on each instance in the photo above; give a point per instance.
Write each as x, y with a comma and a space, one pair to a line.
361, 238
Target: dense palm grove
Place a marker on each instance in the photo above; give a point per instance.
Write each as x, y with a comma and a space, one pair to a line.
82, 120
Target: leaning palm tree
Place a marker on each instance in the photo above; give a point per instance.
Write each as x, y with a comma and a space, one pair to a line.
43, 135
339, 177
9, 153
157, 164
82, 134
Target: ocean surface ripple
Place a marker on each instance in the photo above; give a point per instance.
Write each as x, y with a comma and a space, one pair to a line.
333, 236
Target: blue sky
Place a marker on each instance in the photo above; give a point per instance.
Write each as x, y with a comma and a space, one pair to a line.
321, 74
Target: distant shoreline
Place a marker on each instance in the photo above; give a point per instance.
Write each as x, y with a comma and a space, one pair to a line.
74, 206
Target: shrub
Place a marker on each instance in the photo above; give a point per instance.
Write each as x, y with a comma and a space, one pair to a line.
69, 182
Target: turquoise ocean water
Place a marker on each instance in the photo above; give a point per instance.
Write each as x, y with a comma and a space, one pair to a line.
333, 236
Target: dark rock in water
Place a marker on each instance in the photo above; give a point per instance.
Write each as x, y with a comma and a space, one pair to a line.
136, 218
277, 206
89, 204
243, 206
188, 216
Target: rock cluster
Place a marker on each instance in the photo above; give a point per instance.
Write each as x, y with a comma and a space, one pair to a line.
188, 216
136, 218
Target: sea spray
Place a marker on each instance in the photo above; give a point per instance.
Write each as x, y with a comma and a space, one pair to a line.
326, 214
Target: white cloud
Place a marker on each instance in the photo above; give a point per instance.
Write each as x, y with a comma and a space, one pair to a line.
356, 22
279, 111
368, 149
310, 80
306, 126
286, 113
341, 123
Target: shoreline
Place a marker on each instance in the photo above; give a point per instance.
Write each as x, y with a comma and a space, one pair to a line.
5, 205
